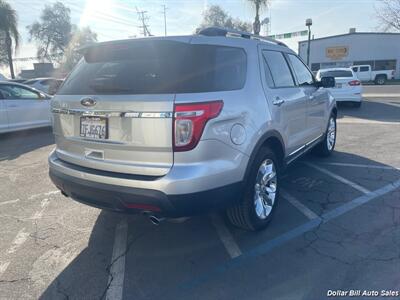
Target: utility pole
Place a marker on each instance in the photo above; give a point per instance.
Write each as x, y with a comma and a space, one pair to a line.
165, 19
308, 24
143, 18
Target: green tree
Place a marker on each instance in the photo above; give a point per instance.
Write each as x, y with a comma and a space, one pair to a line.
258, 5
8, 33
389, 15
79, 38
52, 32
216, 16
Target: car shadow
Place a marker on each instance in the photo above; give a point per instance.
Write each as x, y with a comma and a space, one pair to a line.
371, 110
15, 144
87, 275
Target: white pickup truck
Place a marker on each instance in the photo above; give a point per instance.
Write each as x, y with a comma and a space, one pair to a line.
364, 73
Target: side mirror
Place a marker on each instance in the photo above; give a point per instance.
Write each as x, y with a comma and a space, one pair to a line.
327, 82
42, 96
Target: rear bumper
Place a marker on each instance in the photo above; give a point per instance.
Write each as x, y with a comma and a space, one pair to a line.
130, 199
348, 97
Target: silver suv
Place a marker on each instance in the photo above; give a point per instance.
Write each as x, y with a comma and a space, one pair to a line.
176, 126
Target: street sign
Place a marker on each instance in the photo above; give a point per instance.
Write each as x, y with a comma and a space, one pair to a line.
289, 35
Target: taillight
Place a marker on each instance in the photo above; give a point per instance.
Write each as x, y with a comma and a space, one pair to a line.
354, 82
190, 120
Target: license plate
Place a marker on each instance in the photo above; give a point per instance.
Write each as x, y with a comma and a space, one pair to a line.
338, 85
94, 127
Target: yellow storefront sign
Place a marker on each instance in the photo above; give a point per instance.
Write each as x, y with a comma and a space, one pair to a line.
337, 52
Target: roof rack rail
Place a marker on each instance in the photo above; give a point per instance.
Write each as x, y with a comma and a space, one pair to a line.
221, 31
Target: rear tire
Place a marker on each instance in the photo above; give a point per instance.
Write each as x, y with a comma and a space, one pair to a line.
327, 145
380, 80
255, 208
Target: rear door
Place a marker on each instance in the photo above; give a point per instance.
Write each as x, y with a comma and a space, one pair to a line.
287, 101
25, 107
317, 99
114, 112
364, 73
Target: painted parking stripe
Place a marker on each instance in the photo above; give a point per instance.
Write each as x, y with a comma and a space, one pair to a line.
20, 238
226, 237
339, 178
300, 206
117, 268
361, 121
3, 267
383, 95
288, 236
9, 202
359, 166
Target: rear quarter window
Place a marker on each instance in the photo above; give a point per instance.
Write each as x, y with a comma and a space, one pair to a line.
279, 68
156, 67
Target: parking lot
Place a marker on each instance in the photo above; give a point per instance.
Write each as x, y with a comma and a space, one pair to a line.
336, 228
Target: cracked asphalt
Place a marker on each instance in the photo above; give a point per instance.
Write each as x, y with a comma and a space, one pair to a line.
54, 248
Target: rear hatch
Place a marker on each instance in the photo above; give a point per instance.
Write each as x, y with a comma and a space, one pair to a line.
114, 111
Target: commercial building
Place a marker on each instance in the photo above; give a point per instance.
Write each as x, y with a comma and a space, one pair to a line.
41, 70
379, 50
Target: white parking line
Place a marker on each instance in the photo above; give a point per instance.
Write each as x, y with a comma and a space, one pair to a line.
340, 178
362, 121
226, 237
383, 95
38, 214
3, 267
300, 206
117, 269
43, 194
9, 202
360, 166
21, 237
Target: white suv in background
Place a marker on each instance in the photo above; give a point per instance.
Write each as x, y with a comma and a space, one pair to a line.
176, 126
348, 87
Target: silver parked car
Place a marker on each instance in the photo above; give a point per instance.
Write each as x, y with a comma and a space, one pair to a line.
176, 126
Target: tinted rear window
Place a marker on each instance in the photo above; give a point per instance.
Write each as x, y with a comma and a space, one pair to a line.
156, 67
337, 73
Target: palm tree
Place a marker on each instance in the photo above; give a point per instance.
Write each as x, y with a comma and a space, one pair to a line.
258, 4
8, 26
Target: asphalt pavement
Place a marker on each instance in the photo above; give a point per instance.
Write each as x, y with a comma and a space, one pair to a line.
336, 229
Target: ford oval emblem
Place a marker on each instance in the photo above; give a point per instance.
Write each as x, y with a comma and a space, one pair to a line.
88, 102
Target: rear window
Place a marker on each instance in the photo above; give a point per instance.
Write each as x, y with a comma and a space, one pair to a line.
337, 73
157, 67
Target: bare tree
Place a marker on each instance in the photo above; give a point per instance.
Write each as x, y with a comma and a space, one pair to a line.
389, 15
216, 16
258, 5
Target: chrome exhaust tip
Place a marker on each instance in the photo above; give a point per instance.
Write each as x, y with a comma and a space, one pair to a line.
155, 220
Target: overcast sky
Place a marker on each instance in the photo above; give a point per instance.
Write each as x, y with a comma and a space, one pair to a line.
117, 19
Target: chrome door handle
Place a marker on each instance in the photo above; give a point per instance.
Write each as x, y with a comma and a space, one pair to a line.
13, 105
278, 101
